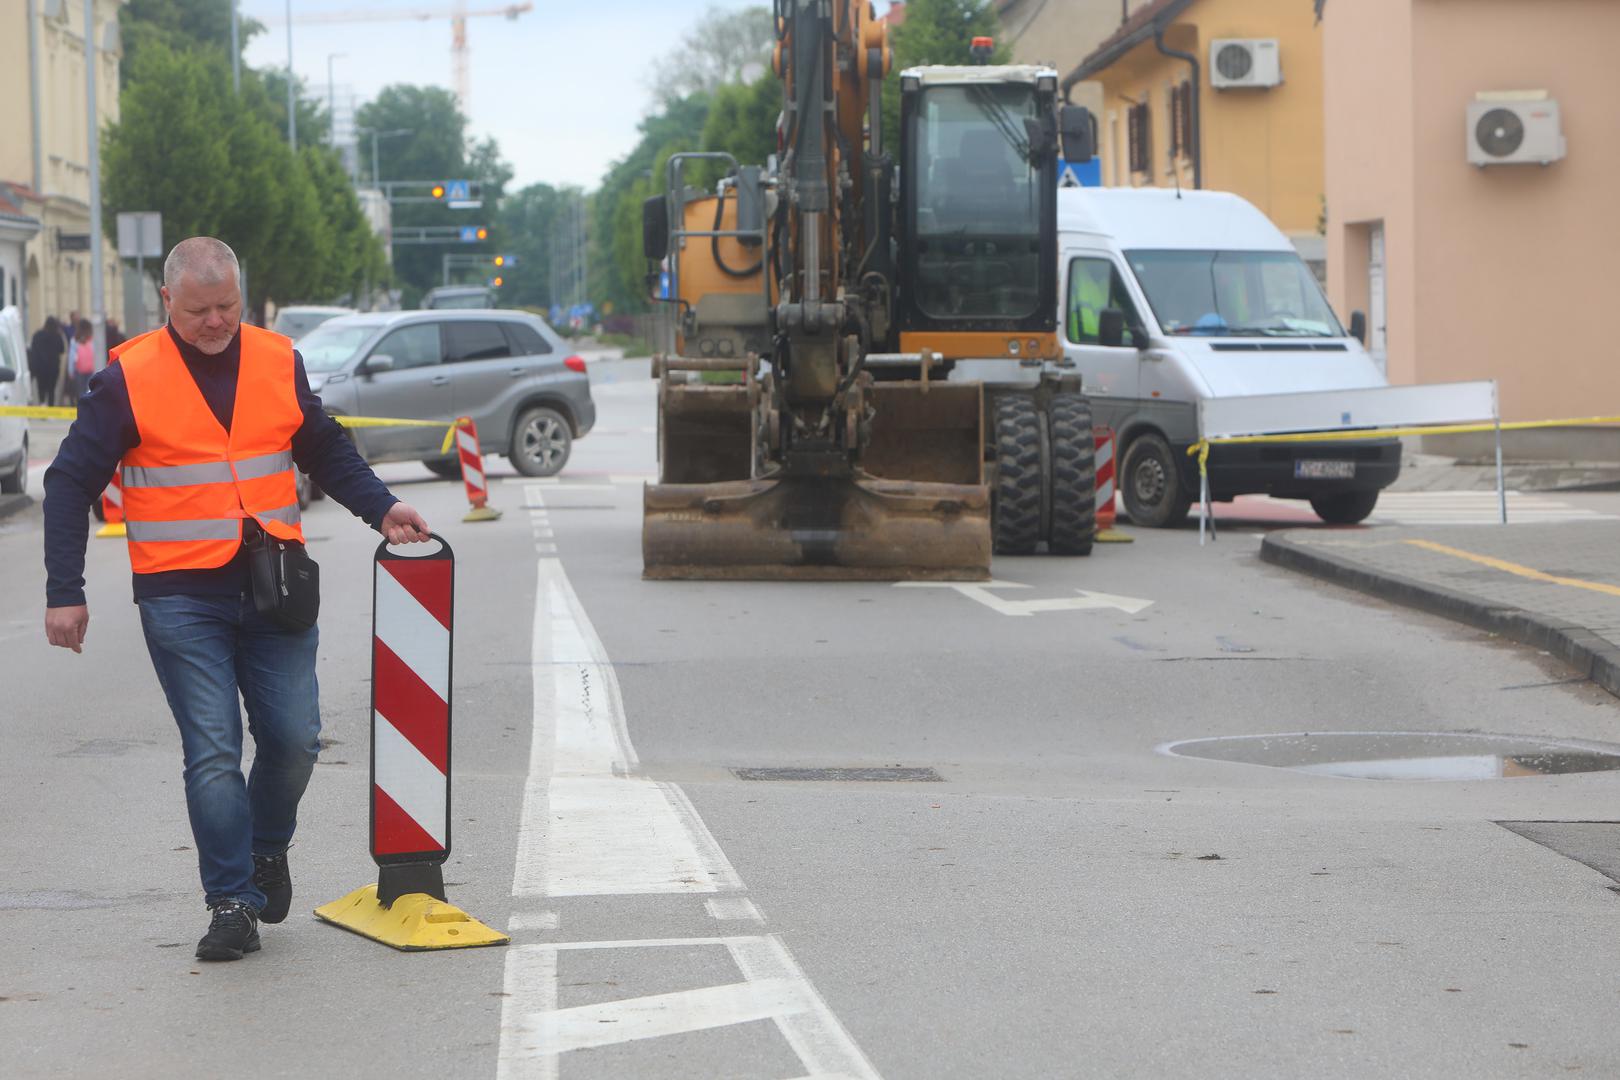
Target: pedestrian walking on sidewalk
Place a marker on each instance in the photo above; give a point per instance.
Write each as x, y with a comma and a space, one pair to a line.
208, 419
45, 359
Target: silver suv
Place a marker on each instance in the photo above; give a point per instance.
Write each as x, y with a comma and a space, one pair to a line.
507, 370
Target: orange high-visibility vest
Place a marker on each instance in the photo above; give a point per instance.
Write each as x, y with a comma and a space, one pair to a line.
189, 484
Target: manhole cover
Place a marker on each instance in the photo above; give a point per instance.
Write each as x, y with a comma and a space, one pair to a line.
1405, 755
900, 773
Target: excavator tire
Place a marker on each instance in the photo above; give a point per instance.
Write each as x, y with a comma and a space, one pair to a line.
1016, 512
1073, 453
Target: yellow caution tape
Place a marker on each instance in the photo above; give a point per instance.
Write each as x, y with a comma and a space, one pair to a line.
65, 412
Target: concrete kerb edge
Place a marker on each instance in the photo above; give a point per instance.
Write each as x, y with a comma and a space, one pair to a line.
1577, 646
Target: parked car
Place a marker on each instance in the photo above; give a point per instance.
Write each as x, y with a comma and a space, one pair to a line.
14, 384
507, 370
298, 320
1172, 297
452, 297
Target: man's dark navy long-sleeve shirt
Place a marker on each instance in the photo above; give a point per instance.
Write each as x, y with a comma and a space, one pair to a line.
105, 431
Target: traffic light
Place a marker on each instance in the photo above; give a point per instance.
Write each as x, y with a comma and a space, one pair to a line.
497, 281
500, 260
483, 233
438, 191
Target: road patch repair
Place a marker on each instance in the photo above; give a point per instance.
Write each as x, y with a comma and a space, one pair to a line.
1553, 587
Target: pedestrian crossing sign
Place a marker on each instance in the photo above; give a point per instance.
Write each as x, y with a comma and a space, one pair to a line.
456, 190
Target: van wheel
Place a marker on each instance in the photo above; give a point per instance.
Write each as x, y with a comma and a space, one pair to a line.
1151, 483
1015, 511
541, 442
1345, 508
1074, 476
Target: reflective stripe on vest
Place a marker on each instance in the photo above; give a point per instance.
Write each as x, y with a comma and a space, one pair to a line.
189, 482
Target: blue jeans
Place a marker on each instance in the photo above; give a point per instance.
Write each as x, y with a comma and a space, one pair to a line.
208, 650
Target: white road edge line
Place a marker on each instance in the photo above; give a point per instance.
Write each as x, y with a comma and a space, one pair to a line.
573, 839
733, 907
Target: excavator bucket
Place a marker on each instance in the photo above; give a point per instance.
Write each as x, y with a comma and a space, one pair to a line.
916, 509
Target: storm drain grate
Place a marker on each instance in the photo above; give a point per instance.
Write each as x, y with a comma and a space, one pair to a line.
889, 773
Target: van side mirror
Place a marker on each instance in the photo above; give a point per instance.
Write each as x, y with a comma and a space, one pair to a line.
1111, 327
377, 362
1358, 326
1078, 128
655, 228
8, 375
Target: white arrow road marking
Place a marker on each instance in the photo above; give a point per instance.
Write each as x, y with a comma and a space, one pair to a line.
980, 591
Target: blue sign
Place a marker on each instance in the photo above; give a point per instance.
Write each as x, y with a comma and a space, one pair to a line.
469, 234
663, 284
1087, 174
455, 189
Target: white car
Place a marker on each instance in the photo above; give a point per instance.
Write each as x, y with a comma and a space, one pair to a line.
296, 321
14, 384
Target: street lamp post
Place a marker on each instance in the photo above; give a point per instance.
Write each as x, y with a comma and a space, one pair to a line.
331, 96
292, 108
98, 287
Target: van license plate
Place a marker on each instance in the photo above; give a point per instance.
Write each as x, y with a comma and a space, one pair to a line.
1315, 469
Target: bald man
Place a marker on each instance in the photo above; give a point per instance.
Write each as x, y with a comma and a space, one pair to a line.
206, 469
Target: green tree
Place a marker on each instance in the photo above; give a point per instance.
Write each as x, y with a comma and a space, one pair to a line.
204, 25
742, 120
530, 221
937, 32
436, 149
724, 47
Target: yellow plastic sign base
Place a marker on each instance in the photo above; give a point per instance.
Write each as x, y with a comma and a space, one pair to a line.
482, 513
1114, 536
112, 528
416, 923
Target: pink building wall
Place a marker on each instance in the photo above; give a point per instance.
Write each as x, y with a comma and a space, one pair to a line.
1506, 272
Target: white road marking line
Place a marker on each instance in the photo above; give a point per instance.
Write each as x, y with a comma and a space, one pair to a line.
733, 907
980, 591
775, 988
532, 920
590, 827
586, 1027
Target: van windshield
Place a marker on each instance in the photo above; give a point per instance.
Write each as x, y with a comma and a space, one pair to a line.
329, 346
1234, 293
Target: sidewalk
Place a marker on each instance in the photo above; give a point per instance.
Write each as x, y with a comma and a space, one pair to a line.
1430, 472
1554, 587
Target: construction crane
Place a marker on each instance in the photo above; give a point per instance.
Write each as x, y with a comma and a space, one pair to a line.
458, 14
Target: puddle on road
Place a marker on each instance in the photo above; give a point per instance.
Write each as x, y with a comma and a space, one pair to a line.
1405, 755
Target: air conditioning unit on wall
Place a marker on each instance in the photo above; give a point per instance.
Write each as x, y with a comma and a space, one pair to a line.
1244, 63
1514, 128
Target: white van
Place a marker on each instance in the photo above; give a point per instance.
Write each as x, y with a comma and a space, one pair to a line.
1169, 298
14, 384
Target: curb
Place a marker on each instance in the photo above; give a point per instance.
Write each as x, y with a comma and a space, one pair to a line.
1588, 654
14, 504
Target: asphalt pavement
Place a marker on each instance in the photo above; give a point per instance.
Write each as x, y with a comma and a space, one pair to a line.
1070, 896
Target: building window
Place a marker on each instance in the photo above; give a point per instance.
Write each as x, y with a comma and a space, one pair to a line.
1140, 123
1181, 106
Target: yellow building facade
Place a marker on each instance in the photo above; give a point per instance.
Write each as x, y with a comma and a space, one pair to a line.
1167, 119
44, 146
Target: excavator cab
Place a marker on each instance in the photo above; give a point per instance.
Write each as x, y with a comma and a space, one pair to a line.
807, 427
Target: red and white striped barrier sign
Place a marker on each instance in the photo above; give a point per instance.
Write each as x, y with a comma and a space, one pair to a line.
413, 598
1105, 477
410, 708
472, 471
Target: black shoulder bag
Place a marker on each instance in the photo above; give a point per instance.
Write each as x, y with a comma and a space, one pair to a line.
286, 581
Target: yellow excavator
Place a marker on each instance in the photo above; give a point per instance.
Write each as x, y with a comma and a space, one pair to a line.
809, 426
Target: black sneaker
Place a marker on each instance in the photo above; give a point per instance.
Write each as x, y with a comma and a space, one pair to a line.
271, 876
233, 931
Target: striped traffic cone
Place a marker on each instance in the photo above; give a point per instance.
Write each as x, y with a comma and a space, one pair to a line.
412, 632
472, 472
112, 507
1106, 533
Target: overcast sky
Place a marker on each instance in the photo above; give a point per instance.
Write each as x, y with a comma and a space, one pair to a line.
561, 88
